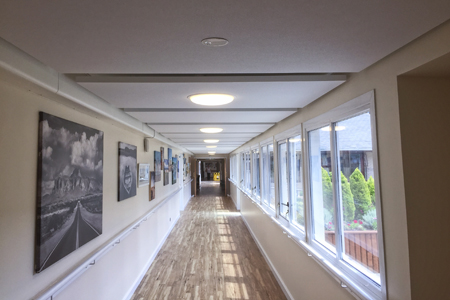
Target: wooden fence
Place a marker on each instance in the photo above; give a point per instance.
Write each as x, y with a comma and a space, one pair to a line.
362, 246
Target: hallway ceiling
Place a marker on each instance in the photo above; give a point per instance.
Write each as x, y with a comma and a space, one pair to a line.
146, 57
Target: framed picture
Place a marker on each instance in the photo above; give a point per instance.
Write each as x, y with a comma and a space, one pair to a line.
169, 154
127, 171
161, 150
144, 174
69, 188
174, 170
166, 172
158, 166
152, 186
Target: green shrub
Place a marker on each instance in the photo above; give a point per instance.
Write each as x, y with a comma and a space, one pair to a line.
370, 219
371, 186
347, 200
327, 190
361, 194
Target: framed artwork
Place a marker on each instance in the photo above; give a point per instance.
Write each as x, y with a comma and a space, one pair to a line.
169, 154
166, 172
152, 186
144, 174
157, 165
174, 170
161, 150
127, 171
69, 188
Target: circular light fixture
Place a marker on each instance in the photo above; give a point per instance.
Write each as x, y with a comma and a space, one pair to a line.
211, 146
211, 153
211, 99
211, 141
211, 130
214, 42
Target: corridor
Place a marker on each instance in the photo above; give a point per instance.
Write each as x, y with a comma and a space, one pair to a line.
209, 255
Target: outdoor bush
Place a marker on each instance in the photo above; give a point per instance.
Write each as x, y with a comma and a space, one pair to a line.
371, 186
328, 219
370, 219
347, 199
361, 194
354, 225
327, 190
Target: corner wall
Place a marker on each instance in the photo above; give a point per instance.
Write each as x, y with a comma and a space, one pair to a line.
117, 272
381, 77
424, 122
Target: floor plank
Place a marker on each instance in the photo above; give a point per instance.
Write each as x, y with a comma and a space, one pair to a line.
209, 255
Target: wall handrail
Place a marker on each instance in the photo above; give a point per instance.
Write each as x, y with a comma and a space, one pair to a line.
56, 288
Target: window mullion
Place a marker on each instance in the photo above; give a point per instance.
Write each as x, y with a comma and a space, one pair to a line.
336, 192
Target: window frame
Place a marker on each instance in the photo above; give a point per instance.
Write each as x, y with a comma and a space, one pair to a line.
265, 176
352, 108
253, 167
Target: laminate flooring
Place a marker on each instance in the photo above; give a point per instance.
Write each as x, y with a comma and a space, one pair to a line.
209, 255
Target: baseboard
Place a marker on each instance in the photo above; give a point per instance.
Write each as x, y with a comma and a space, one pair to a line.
136, 283
269, 262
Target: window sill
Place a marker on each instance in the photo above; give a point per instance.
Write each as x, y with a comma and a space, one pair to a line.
345, 281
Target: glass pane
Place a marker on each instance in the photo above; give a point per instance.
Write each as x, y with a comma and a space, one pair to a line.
321, 187
242, 170
357, 194
283, 169
295, 152
248, 172
272, 178
265, 175
256, 183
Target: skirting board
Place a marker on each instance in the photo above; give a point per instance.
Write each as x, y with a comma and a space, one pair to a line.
138, 280
269, 262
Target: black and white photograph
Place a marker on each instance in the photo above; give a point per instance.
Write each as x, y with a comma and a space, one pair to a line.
70, 188
127, 170
144, 174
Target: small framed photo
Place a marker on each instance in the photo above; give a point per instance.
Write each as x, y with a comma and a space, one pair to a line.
144, 174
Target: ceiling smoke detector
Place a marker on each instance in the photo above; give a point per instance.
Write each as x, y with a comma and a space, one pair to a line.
214, 42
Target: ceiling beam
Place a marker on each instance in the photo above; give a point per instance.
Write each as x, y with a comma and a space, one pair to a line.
199, 78
205, 109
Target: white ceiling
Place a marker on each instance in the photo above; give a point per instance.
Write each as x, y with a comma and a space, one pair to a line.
146, 56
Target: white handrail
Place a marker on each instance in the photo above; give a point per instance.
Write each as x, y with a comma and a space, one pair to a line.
52, 291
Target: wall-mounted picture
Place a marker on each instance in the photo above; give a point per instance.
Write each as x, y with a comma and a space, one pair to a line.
166, 172
152, 185
158, 166
178, 165
144, 174
127, 171
174, 170
161, 150
169, 154
69, 188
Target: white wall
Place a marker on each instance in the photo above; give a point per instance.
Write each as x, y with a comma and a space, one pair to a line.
115, 273
382, 77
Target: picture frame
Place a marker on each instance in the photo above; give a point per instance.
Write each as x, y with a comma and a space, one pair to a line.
144, 175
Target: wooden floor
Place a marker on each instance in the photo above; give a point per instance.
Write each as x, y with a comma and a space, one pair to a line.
209, 255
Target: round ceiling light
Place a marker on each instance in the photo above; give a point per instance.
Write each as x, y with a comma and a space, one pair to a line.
214, 42
211, 153
211, 99
211, 130
211, 141
211, 146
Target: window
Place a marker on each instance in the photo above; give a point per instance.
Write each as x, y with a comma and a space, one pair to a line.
342, 191
296, 181
247, 172
283, 180
255, 180
242, 168
268, 180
